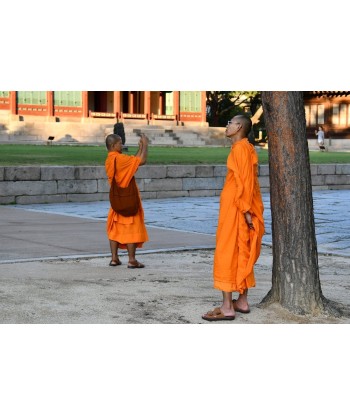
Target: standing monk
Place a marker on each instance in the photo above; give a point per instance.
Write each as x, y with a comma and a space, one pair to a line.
240, 226
125, 232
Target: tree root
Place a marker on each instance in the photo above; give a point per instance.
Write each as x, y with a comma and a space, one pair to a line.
269, 299
335, 309
327, 307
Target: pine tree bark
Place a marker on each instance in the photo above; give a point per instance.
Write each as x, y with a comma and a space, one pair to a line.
295, 273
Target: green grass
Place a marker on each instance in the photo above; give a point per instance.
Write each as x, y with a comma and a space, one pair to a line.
335, 157
16, 155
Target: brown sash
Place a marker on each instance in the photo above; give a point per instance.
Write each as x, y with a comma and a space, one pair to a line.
124, 200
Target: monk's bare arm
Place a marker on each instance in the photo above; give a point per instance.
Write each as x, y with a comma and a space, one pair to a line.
143, 149
138, 154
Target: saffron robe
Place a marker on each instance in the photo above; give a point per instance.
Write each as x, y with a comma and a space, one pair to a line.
237, 246
125, 230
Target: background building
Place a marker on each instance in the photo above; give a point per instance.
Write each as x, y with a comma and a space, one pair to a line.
330, 109
167, 117
181, 107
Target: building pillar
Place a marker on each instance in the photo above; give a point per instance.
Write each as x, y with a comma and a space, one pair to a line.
147, 103
327, 112
131, 102
176, 104
204, 106
116, 103
160, 103
85, 104
327, 124
49, 100
13, 102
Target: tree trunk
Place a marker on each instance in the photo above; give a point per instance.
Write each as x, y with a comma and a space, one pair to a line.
295, 275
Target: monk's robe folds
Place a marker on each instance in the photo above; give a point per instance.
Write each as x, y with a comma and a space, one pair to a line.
123, 229
237, 246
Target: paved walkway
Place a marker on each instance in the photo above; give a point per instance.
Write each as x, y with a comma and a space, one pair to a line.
199, 215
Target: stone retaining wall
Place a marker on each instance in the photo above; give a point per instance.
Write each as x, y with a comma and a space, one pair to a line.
57, 184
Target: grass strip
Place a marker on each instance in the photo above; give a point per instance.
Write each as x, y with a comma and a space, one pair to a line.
61, 155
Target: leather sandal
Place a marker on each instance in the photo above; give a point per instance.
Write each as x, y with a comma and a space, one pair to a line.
216, 315
135, 264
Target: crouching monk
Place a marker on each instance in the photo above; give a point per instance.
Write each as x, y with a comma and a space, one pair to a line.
240, 225
125, 232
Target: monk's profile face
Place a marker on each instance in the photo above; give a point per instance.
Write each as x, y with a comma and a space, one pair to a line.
233, 126
118, 146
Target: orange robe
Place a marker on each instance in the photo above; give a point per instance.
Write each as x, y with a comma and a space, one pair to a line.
123, 229
238, 247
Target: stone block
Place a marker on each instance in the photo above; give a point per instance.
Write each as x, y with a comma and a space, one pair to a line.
326, 169
342, 169
89, 172
263, 170
337, 179
57, 173
27, 188
77, 186
7, 200
220, 171
181, 171
315, 188
103, 186
204, 171
22, 173
148, 195
151, 172
163, 184
87, 197
313, 169
318, 180
202, 183
264, 181
140, 184
2, 173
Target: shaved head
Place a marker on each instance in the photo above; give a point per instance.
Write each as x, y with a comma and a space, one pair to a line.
112, 139
245, 121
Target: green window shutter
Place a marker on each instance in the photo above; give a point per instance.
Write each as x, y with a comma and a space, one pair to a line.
21, 97
190, 101
184, 101
32, 97
56, 98
78, 99
169, 103
35, 98
68, 98
197, 101
42, 98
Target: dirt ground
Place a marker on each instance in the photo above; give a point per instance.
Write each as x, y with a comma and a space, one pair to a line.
174, 288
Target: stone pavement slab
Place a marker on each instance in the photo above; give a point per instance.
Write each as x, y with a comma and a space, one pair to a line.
199, 215
30, 235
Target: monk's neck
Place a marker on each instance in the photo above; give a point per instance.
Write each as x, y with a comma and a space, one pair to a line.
236, 140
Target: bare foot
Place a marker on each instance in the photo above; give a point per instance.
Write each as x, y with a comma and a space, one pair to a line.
241, 306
